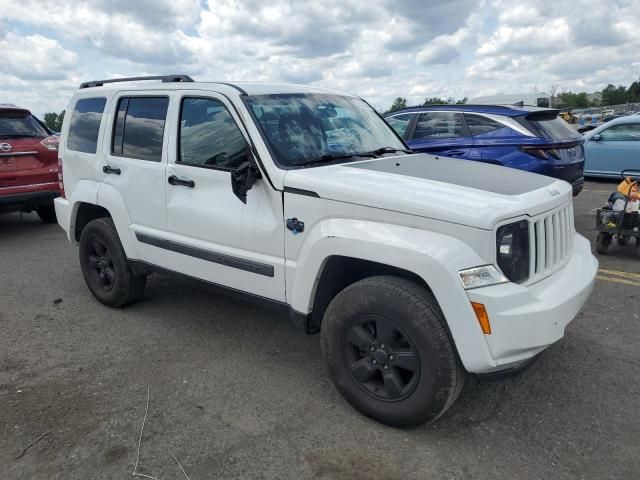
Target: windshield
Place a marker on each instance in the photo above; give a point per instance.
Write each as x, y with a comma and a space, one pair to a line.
300, 128
19, 124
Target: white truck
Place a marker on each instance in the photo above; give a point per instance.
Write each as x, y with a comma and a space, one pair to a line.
416, 270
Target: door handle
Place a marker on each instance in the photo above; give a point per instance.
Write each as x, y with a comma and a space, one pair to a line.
110, 169
455, 153
173, 180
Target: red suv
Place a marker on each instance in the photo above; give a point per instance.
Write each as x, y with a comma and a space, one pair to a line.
28, 164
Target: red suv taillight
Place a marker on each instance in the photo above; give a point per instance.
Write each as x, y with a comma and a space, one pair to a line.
51, 142
60, 178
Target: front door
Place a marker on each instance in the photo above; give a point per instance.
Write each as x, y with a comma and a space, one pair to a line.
211, 234
441, 133
617, 149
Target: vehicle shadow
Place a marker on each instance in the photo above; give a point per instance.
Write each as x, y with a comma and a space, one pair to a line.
12, 224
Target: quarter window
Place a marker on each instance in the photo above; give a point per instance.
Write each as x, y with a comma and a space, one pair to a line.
399, 123
478, 124
209, 136
85, 125
139, 128
624, 132
440, 125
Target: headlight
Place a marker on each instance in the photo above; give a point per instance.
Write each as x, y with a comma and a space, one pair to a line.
512, 245
481, 277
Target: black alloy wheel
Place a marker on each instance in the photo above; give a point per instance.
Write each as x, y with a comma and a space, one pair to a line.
101, 265
381, 358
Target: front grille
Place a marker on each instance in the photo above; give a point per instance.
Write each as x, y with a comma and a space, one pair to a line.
551, 240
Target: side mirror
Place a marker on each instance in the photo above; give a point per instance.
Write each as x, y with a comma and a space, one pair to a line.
243, 178
596, 137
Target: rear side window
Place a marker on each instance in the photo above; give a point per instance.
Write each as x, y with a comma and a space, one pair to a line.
438, 125
209, 136
85, 125
20, 124
479, 124
399, 123
139, 128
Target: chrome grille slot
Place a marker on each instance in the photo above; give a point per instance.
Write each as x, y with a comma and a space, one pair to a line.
551, 242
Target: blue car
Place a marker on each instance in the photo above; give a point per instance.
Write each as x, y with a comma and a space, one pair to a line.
528, 138
613, 147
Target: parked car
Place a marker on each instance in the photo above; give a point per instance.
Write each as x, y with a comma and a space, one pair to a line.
527, 138
613, 147
28, 164
415, 269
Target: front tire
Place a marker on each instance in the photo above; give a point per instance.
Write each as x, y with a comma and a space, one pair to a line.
47, 213
105, 266
388, 351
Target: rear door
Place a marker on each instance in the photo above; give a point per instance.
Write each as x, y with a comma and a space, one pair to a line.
134, 159
618, 149
28, 159
441, 133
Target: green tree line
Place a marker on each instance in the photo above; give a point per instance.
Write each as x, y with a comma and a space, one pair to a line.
54, 120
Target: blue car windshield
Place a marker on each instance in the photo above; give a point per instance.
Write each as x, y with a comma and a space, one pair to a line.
302, 128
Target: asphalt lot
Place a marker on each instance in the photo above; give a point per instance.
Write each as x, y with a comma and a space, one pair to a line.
237, 392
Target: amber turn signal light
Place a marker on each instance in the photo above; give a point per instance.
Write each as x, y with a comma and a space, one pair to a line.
482, 316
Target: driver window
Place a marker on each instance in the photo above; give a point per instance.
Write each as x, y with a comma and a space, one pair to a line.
623, 132
209, 136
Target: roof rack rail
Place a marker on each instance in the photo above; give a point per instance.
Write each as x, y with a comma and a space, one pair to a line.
163, 78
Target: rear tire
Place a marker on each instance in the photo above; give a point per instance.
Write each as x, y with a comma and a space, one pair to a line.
47, 213
388, 351
105, 266
602, 242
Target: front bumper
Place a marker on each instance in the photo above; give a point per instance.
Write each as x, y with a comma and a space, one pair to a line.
527, 319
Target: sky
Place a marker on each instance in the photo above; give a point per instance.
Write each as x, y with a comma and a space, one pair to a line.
377, 49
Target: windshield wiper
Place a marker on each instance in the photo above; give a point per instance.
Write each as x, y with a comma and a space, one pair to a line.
335, 156
383, 150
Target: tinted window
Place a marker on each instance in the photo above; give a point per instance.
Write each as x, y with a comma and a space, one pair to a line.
548, 125
440, 125
139, 127
399, 122
622, 133
85, 125
478, 124
209, 135
20, 123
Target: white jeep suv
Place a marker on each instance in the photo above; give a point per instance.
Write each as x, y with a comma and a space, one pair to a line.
415, 269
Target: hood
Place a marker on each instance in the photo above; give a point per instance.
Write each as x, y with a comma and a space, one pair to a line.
460, 191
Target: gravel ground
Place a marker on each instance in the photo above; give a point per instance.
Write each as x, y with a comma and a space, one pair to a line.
237, 392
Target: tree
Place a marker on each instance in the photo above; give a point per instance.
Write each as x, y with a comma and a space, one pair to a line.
53, 120
573, 100
633, 92
553, 90
462, 101
434, 101
612, 95
398, 103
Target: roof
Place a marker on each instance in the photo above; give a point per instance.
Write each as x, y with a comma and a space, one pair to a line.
233, 88
505, 110
11, 106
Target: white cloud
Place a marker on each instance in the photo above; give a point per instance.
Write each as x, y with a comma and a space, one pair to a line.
379, 49
35, 57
